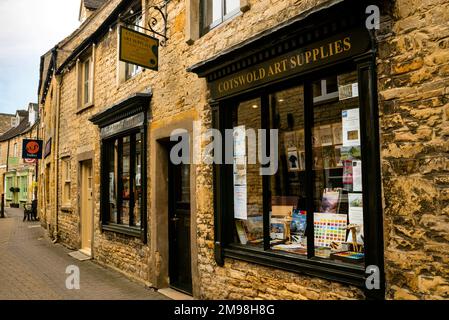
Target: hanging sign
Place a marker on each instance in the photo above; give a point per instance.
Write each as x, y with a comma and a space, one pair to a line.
138, 48
31, 149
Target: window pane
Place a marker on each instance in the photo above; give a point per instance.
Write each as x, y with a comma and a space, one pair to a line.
231, 5
86, 81
337, 162
247, 181
212, 12
113, 187
125, 179
138, 181
288, 192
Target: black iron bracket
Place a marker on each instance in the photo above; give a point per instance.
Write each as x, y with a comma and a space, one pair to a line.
153, 21
154, 12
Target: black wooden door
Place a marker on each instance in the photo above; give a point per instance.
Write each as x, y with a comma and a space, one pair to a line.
179, 228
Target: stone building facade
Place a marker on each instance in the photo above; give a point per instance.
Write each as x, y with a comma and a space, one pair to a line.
412, 96
16, 172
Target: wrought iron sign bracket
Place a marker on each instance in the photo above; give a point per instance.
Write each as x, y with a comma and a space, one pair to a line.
153, 21
153, 11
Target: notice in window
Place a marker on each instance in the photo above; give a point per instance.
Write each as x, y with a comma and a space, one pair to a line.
240, 205
351, 127
355, 201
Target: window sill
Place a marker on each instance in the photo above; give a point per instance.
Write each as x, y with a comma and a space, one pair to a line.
317, 267
84, 108
66, 208
130, 231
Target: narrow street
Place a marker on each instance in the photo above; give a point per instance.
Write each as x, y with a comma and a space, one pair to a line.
33, 268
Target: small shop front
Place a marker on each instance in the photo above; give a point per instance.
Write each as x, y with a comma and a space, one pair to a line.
311, 87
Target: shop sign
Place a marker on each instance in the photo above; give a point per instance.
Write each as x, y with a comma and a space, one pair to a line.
315, 55
32, 149
122, 125
47, 150
138, 48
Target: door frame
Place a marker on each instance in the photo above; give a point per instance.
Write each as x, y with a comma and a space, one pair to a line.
158, 201
171, 192
82, 159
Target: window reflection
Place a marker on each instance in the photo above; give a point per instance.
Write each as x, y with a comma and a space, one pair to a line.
124, 164
288, 192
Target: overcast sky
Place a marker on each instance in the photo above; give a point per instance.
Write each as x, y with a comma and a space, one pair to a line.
28, 29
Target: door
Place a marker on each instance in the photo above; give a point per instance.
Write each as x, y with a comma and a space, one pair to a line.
86, 206
180, 269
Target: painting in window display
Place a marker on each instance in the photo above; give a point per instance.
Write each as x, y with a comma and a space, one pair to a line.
287, 186
337, 164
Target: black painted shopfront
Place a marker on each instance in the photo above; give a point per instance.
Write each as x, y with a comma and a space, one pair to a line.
123, 190
313, 79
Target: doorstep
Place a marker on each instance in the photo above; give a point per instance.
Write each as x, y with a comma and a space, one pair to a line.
174, 295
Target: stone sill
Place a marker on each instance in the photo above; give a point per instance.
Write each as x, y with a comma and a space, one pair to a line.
66, 208
315, 267
134, 232
86, 107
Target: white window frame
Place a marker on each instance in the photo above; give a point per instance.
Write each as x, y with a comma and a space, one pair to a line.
82, 81
325, 96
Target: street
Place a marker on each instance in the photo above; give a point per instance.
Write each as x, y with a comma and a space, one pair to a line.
32, 268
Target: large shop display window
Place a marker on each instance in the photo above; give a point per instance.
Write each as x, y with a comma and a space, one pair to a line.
312, 207
124, 192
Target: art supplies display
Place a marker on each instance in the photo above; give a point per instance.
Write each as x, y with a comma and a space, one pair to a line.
329, 228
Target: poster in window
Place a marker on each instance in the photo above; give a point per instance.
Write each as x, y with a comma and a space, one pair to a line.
326, 136
357, 176
337, 133
240, 202
355, 215
293, 160
316, 141
300, 140
330, 201
290, 140
351, 127
240, 171
239, 141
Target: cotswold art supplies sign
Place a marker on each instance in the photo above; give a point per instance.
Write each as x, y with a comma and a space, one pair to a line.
32, 149
138, 48
306, 58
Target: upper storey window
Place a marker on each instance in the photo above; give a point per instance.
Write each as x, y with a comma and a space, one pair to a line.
215, 12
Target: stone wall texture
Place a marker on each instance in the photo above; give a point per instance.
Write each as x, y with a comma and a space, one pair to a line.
413, 74
413, 70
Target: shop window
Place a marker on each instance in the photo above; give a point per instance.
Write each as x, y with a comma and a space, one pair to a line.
123, 161
312, 208
66, 178
85, 68
215, 12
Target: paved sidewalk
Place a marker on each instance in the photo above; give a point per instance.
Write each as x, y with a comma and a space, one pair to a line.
31, 268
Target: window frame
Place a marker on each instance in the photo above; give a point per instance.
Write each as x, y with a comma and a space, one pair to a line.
66, 178
369, 126
136, 231
88, 57
224, 17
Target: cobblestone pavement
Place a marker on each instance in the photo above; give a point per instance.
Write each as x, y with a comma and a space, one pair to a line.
31, 268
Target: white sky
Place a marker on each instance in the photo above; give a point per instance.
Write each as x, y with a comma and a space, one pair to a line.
28, 29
